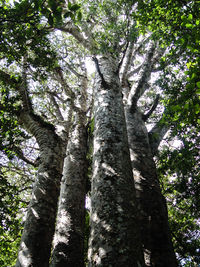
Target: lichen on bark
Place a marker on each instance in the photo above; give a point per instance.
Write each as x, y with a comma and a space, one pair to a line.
114, 233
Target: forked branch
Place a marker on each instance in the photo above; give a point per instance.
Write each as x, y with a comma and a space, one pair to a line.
146, 116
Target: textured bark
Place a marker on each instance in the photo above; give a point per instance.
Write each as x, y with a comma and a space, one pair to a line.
144, 76
69, 235
156, 135
153, 217
40, 222
114, 237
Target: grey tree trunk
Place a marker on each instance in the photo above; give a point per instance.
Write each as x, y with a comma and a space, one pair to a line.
153, 217
68, 247
39, 226
114, 238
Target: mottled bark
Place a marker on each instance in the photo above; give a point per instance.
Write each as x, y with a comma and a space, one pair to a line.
114, 239
69, 235
35, 246
153, 217
40, 221
156, 135
144, 74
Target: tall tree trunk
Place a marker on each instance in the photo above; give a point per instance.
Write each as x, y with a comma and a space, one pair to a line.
153, 217
114, 238
39, 226
68, 247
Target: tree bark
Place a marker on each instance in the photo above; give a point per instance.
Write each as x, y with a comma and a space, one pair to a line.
153, 217
68, 249
114, 238
39, 226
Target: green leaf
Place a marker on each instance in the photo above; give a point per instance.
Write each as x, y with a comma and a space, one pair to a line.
182, 40
175, 108
183, 17
194, 75
189, 25
198, 84
79, 16
69, 4
74, 7
186, 106
197, 109
188, 64
190, 17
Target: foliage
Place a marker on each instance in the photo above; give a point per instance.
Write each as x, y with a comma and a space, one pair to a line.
178, 167
26, 30
109, 27
20, 30
176, 26
180, 178
10, 221
25, 25
11, 135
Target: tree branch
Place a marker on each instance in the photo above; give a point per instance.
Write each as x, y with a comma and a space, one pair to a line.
146, 116
131, 52
20, 155
156, 135
20, 85
74, 71
57, 109
138, 90
26, 115
23, 88
122, 59
104, 83
69, 27
134, 71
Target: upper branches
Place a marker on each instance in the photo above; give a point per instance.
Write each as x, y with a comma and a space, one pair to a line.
139, 88
156, 135
146, 116
25, 113
74, 30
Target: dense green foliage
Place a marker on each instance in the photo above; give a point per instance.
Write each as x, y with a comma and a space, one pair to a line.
25, 30
11, 135
10, 221
176, 25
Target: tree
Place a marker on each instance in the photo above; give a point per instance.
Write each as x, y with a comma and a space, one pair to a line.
68, 246
179, 28
128, 218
